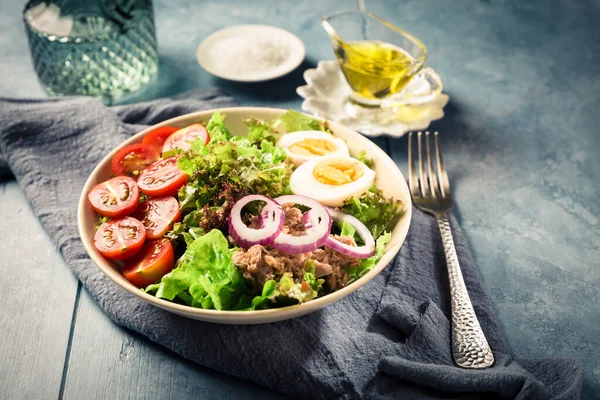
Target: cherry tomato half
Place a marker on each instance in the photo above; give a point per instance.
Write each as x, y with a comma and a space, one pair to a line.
157, 137
117, 197
133, 158
158, 215
120, 238
163, 178
152, 262
183, 138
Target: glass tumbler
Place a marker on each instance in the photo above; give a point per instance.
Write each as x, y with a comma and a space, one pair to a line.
99, 48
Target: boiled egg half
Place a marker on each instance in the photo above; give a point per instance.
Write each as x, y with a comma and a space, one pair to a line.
302, 146
332, 180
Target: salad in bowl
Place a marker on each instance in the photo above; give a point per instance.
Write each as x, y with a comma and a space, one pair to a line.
236, 216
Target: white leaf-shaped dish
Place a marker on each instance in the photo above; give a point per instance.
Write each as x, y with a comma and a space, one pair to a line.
326, 91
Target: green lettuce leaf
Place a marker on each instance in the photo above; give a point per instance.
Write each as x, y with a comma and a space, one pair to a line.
294, 121
347, 229
368, 263
287, 291
227, 169
269, 292
259, 130
207, 274
216, 127
374, 210
362, 157
286, 287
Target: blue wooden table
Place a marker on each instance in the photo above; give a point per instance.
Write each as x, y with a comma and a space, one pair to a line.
520, 144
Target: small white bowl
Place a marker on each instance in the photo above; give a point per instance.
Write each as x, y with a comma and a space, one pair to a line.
388, 178
241, 53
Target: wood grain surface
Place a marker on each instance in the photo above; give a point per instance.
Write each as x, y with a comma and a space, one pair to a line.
38, 296
520, 144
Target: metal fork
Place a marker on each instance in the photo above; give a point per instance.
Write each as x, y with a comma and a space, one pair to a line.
431, 193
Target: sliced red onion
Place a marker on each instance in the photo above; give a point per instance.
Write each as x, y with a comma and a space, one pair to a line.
318, 227
271, 216
365, 251
263, 216
306, 220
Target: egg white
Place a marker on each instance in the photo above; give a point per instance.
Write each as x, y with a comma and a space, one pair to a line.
303, 182
287, 140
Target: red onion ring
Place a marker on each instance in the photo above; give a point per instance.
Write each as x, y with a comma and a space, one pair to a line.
365, 251
318, 227
272, 220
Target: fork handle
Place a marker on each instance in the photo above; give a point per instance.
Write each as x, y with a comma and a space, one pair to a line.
469, 345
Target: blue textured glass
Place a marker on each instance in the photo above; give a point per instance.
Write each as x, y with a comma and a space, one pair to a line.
100, 48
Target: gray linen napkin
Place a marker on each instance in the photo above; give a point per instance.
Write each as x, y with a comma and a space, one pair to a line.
390, 339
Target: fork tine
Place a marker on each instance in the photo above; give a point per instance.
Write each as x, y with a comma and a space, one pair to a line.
442, 174
433, 185
413, 182
422, 177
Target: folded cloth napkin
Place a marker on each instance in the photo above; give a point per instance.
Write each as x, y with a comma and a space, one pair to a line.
389, 339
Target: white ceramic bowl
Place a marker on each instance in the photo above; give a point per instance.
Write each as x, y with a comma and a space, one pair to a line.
388, 178
224, 54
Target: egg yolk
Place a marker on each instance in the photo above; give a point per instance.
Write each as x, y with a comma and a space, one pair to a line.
338, 174
313, 147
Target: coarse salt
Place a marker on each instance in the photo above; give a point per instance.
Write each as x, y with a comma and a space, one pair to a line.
248, 54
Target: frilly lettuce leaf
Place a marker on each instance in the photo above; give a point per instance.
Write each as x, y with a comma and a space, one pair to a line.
227, 169
259, 130
374, 210
216, 128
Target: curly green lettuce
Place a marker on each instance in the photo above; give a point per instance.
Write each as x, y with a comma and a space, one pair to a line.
374, 210
228, 168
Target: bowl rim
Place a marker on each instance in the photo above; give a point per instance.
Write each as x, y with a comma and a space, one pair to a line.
268, 315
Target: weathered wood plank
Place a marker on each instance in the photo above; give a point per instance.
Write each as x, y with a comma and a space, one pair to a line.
110, 362
38, 295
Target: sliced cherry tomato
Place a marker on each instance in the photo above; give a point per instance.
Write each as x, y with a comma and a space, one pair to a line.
183, 138
157, 137
158, 215
163, 178
120, 238
133, 158
152, 262
117, 197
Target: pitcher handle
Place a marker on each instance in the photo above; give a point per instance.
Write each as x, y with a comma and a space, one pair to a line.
423, 88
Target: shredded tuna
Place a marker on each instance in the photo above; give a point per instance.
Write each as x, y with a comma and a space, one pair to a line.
337, 279
260, 264
293, 220
253, 265
322, 269
340, 259
330, 263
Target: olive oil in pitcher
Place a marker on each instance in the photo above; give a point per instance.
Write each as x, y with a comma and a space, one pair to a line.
375, 69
